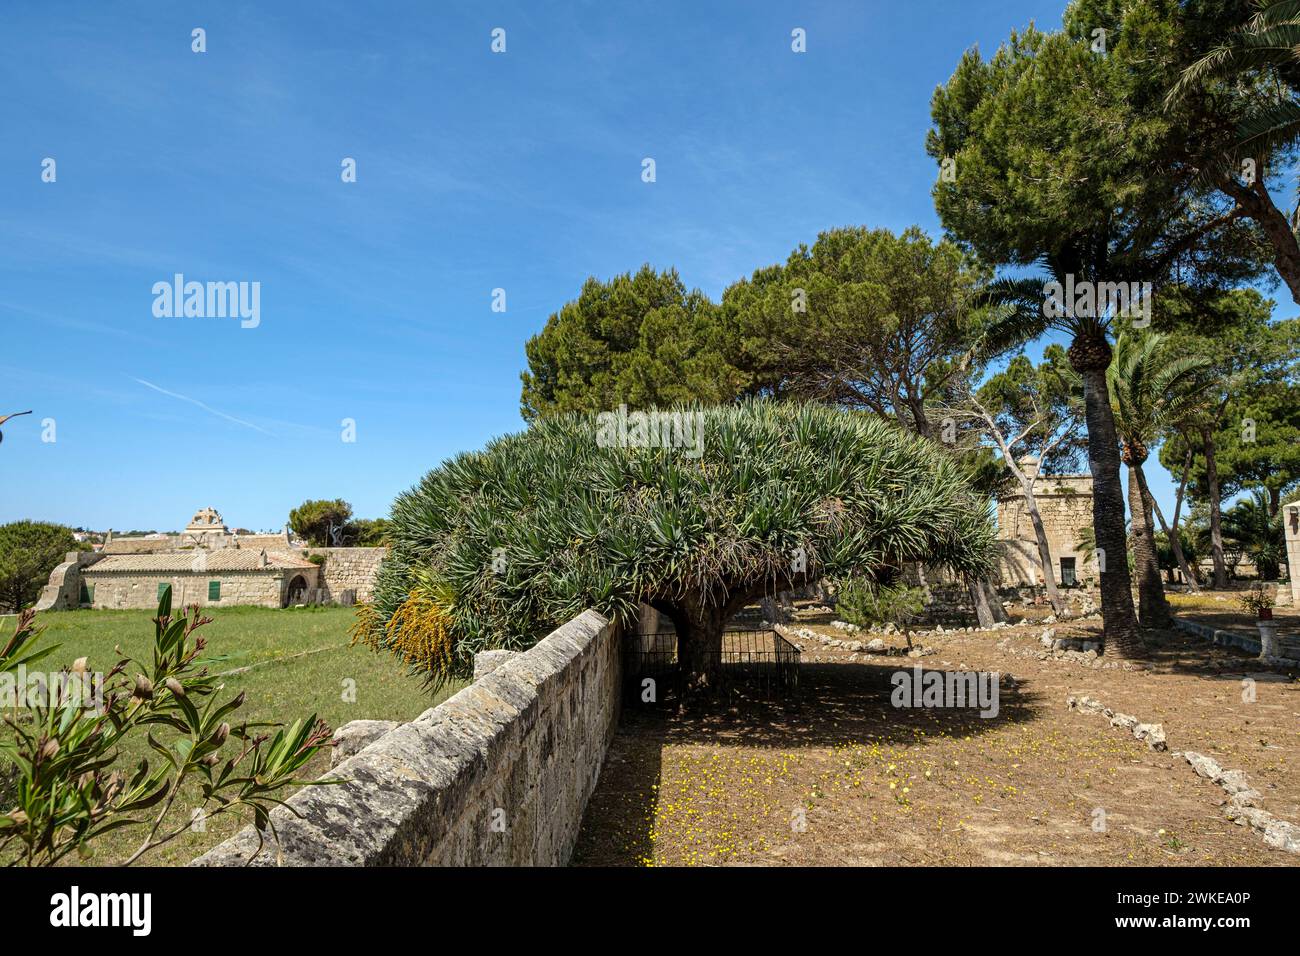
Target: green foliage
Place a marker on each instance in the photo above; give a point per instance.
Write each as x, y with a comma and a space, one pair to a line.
1040, 405
508, 543
1260, 598
1252, 416
864, 319
1165, 552
1249, 528
1069, 159
1153, 389
370, 532
65, 744
313, 519
866, 603
1252, 60
641, 340
29, 551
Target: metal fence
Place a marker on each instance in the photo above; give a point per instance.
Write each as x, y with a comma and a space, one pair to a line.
758, 660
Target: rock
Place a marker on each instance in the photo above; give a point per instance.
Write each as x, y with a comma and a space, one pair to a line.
1234, 781
1153, 734
1283, 835
855, 646
1083, 704
356, 735
1127, 721
1091, 647
876, 646
1203, 765
1047, 637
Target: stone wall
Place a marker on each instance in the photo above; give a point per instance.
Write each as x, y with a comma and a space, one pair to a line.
348, 569
208, 540
64, 589
499, 774
141, 545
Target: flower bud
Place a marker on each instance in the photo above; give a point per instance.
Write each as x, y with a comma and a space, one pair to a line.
175, 687
222, 733
143, 687
81, 665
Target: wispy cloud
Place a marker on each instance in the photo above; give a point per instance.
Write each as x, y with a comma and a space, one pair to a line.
205, 407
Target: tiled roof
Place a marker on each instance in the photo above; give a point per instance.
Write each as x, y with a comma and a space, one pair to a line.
223, 559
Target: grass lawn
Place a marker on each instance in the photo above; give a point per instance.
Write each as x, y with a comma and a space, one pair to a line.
290, 663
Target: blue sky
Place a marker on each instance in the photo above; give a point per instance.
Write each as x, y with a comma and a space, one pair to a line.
475, 171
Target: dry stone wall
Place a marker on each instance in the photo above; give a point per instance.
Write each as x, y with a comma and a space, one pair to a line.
348, 569
499, 774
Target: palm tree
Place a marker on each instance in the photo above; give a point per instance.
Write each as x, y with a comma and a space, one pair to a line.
1268, 45
1151, 390
1249, 528
1023, 317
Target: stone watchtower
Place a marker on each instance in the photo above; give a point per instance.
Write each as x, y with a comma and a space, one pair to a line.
1065, 504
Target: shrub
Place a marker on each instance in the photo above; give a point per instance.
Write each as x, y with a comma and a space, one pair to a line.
869, 603
67, 791
496, 548
29, 551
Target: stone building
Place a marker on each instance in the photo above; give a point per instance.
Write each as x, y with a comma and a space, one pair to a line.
1065, 505
210, 565
230, 576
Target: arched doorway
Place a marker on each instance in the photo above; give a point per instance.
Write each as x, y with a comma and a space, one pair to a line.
296, 592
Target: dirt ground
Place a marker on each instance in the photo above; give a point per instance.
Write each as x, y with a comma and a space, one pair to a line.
839, 776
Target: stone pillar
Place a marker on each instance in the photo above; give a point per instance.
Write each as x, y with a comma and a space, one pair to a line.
1291, 522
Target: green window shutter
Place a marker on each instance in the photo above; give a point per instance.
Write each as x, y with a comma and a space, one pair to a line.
214, 590
163, 588
87, 593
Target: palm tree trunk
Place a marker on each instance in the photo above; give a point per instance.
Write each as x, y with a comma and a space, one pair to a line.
1216, 510
1153, 609
1119, 623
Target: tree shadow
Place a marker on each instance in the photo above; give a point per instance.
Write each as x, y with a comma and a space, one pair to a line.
836, 705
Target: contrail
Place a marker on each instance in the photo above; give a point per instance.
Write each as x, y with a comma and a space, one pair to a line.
206, 408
